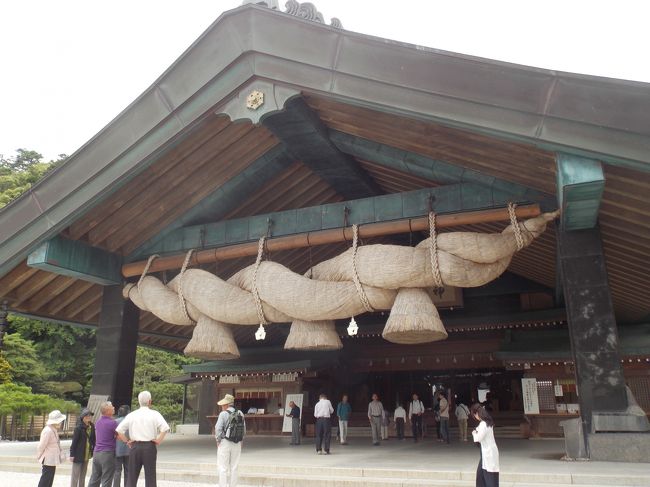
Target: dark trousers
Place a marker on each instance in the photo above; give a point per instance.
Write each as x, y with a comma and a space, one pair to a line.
47, 476
121, 463
416, 425
143, 454
399, 425
485, 478
444, 429
323, 432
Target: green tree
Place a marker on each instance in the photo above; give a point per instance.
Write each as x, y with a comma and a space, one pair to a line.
20, 172
153, 369
5, 370
26, 368
68, 351
20, 402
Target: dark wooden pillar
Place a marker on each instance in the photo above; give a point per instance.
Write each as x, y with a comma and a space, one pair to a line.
117, 339
207, 405
592, 324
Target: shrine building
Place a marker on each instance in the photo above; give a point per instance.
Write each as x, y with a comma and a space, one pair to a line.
276, 141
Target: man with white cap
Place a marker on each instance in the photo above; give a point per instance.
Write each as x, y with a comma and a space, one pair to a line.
49, 452
147, 429
229, 433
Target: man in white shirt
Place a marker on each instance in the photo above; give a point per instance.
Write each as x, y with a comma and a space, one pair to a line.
375, 414
462, 413
323, 412
147, 429
416, 411
399, 416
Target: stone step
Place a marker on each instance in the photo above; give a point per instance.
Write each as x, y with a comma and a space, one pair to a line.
287, 476
499, 432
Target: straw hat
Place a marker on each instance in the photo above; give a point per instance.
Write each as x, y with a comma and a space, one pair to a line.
227, 399
55, 417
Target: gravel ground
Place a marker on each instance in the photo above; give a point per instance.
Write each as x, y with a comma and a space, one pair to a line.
12, 479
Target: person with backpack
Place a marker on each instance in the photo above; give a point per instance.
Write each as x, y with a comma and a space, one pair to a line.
229, 433
462, 413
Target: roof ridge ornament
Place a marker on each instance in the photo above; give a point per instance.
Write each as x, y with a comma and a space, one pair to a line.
308, 11
304, 10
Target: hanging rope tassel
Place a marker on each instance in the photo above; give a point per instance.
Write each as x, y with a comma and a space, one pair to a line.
353, 328
355, 273
438, 285
260, 334
181, 297
512, 207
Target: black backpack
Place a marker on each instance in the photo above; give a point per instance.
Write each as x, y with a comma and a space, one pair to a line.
236, 427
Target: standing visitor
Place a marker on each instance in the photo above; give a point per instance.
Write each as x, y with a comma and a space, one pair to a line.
229, 433
385, 421
375, 413
462, 413
294, 414
104, 454
487, 473
121, 451
48, 451
343, 411
147, 429
323, 412
399, 416
444, 417
416, 410
81, 448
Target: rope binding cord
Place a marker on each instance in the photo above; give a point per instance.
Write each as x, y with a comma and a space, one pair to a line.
260, 334
146, 269
181, 298
355, 273
512, 207
438, 285
353, 328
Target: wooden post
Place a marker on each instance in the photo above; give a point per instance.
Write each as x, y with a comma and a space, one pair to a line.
334, 235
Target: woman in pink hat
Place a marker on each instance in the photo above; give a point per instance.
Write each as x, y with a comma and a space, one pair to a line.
49, 451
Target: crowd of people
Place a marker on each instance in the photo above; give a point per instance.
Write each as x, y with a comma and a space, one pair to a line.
119, 447
487, 473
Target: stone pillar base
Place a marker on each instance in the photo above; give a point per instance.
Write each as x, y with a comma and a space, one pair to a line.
619, 447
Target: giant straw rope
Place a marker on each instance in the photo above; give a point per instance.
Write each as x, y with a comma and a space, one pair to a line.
361, 279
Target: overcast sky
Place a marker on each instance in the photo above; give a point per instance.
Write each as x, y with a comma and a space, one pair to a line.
70, 66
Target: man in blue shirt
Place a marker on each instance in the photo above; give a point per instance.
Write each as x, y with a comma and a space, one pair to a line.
343, 411
294, 414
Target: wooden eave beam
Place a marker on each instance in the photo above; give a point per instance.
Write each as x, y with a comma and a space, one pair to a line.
580, 187
77, 259
329, 236
306, 137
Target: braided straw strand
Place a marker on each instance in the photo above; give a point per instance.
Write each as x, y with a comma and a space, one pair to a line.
515, 225
256, 294
355, 273
181, 298
433, 252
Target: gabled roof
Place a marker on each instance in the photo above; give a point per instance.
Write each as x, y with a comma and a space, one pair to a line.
188, 148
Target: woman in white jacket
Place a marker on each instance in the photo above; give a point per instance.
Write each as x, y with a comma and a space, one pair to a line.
49, 451
487, 473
